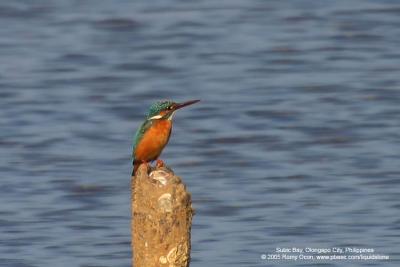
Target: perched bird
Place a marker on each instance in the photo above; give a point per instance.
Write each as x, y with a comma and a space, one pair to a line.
154, 133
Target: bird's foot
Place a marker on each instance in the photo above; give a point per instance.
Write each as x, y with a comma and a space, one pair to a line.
160, 163
147, 164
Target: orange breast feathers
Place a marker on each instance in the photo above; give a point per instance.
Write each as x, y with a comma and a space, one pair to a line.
153, 141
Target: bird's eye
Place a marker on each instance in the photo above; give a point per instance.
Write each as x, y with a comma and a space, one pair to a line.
170, 108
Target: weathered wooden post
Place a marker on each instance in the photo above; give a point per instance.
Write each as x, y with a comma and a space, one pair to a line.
161, 219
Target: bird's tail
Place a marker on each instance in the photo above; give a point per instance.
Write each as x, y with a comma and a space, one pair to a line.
135, 167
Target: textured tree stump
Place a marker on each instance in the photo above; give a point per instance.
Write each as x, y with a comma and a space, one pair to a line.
161, 219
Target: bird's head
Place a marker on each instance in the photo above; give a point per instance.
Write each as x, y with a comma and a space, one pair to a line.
166, 109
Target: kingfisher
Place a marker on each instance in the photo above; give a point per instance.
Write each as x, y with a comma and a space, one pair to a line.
153, 135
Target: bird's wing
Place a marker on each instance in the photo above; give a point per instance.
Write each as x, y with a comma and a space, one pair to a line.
139, 134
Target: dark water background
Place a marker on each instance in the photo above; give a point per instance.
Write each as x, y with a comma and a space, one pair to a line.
295, 143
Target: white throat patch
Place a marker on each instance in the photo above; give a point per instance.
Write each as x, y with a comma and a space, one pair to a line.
157, 117
171, 116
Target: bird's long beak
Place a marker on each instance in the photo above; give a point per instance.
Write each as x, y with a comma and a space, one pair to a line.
184, 104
